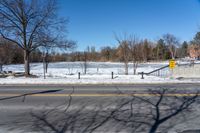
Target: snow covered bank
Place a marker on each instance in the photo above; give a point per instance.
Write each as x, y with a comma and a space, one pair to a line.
62, 69
93, 79
97, 73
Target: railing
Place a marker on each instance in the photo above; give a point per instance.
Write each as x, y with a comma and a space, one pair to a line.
160, 72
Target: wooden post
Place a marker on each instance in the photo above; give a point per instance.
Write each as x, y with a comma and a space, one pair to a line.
112, 75
142, 75
79, 75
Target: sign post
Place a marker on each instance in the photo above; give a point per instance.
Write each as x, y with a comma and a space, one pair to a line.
172, 64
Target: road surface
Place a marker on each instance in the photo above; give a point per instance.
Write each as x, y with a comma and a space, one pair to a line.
16, 101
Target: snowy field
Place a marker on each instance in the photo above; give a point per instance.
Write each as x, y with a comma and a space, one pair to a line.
62, 69
97, 73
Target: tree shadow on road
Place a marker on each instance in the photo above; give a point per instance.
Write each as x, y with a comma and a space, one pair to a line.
159, 111
29, 94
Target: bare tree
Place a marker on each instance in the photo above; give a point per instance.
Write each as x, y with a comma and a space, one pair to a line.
3, 57
93, 53
86, 57
136, 52
124, 51
105, 53
7, 52
172, 42
85, 61
31, 24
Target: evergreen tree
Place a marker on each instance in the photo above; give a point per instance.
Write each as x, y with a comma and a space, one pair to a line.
184, 49
196, 39
162, 52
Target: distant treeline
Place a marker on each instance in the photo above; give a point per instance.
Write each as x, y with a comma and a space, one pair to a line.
128, 49
144, 50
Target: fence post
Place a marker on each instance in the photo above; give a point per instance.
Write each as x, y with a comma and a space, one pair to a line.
112, 75
79, 75
142, 75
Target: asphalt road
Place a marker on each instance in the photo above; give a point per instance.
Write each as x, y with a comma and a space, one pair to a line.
17, 101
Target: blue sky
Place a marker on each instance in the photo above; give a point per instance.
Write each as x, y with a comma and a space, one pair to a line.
94, 22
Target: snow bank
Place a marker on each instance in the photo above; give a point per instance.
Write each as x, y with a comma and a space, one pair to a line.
97, 73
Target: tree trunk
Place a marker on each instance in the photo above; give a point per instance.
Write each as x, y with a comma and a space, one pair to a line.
85, 67
172, 54
1, 67
158, 52
27, 62
46, 61
135, 64
46, 66
126, 68
85, 62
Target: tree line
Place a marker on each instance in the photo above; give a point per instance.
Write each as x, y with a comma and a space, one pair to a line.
128, 49
145, 50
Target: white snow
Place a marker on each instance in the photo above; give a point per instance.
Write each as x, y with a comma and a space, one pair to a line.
97, 73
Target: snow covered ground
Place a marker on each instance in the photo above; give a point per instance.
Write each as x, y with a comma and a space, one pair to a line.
62, 69
97, 73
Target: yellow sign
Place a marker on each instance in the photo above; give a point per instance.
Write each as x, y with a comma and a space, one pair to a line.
172, 64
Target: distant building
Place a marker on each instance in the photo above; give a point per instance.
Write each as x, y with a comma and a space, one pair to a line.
194, 51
